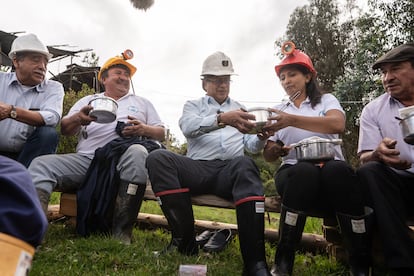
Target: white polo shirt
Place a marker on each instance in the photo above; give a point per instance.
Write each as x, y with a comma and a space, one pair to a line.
100, 134
290, 135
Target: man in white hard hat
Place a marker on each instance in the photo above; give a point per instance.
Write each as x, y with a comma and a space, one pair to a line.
215, 127
30, 105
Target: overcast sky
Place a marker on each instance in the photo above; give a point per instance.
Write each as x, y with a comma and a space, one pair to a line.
170, 42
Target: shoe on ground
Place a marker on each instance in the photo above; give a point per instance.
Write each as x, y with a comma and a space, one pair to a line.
218, 241
203, 238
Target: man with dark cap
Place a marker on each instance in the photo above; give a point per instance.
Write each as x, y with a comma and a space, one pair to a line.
387, 170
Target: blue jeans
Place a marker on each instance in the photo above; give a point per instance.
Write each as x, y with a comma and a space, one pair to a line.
43, 140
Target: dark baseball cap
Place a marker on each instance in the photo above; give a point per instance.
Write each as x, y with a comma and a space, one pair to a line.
400, 53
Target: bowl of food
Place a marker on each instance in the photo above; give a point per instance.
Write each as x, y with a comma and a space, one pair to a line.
262, 115
104, 109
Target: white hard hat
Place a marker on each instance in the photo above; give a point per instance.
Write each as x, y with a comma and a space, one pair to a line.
29, 43
217, 64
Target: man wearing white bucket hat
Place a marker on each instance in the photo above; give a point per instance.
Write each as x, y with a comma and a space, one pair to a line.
215, 127
110, 155
30, 105
387, 160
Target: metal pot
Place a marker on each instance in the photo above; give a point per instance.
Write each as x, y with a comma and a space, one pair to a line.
316, 149
262, 114
104, 109
407, 126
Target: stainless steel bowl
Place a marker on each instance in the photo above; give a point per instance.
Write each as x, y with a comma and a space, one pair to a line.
407, 126
316, 150
262, 114
104, 109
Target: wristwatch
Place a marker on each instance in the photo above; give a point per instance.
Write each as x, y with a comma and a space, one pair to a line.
219, 122
13, 113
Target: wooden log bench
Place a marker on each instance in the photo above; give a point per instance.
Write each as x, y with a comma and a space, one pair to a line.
329, 242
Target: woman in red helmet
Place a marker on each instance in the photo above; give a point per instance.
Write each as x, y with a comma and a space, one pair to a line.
321, 187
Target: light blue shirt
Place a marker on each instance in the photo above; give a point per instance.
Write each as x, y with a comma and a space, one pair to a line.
46, 97
206, 141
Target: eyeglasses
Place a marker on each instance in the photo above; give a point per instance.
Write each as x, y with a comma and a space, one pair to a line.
219, 81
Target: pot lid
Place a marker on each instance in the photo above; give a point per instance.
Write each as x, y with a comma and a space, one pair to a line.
316, 139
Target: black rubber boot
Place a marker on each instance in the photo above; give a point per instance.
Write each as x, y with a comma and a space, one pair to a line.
250, 223
127, 205
291, 226
357, 235
178, 210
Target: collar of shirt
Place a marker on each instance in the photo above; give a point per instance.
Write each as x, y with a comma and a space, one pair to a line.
393, 101
210, 100
41, 87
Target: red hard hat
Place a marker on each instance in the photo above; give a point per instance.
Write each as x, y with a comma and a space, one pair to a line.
295, 57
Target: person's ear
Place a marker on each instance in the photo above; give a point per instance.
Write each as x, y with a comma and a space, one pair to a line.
203, 84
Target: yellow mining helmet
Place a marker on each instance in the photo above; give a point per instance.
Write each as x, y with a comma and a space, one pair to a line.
122, 59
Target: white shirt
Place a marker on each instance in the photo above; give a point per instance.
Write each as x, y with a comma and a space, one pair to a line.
100, 134
291, 135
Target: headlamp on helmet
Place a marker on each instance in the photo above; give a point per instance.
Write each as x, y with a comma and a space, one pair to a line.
294, 56
119, 60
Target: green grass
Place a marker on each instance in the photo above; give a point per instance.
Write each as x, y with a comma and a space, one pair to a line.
64, 253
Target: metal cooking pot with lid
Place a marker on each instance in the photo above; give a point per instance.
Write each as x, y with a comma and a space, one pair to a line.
407, 124
262, 114
316, 149
104, 109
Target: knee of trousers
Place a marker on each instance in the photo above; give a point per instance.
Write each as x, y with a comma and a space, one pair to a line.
157, 158
131, 165
46, 134
371, 169
244, 168
41, 174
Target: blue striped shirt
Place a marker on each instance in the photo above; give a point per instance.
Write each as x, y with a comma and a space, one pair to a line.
46, 97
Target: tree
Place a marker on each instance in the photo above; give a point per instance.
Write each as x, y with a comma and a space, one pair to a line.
315, 29
396, 19
370, 36
91, 59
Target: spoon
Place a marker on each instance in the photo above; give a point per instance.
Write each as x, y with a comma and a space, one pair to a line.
291, 98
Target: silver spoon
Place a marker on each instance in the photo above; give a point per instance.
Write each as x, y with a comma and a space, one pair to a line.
292, 99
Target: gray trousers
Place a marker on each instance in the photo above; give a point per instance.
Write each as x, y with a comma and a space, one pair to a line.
66, 172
